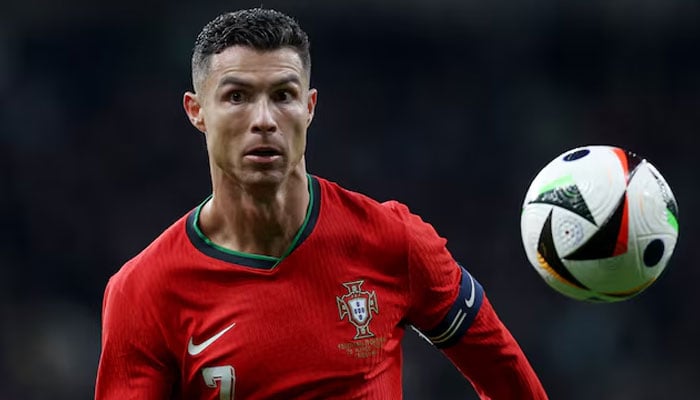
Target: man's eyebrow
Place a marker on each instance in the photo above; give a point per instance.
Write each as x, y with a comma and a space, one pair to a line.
291, 78
232, 80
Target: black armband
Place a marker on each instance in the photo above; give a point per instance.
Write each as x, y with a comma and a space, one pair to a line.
460, 316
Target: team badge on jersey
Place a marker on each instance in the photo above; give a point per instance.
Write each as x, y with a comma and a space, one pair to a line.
358, 305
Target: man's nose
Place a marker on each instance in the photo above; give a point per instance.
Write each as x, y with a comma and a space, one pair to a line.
263, 120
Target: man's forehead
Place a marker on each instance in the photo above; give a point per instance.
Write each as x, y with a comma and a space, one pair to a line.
246, 60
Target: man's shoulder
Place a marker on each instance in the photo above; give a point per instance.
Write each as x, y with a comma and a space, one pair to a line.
375, 225
155, 259
357, 202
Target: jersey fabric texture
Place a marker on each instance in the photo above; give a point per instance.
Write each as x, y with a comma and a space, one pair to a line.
187, 319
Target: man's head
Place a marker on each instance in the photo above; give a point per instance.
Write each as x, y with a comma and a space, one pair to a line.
252, 98
257, 28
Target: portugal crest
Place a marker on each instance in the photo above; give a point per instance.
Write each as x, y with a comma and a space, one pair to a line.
358, 305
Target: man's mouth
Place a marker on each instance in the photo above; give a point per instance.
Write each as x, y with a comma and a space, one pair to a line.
263, 154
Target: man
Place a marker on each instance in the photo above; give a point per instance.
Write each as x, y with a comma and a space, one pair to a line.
283, 285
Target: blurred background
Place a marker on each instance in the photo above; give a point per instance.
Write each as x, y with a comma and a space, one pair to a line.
449, 106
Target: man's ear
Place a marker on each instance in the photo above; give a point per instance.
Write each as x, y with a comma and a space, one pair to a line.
311, 105
193, 109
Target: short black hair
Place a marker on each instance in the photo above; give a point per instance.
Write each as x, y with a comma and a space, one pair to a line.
258, 28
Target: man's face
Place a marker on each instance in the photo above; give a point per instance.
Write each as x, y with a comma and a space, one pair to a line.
254, 107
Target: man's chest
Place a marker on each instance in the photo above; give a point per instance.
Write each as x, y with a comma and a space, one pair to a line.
297, 332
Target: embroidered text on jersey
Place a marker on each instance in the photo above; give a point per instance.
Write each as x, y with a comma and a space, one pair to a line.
358, 305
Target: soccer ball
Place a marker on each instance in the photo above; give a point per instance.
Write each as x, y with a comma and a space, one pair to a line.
599, 224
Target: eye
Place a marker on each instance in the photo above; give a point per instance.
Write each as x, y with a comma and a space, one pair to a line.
236, 96
283, 95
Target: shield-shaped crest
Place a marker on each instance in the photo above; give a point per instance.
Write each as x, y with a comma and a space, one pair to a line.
358, 306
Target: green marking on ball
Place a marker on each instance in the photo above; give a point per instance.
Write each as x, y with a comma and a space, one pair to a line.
565, 180
672, 219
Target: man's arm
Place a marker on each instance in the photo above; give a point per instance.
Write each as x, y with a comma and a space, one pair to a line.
476, 341
132, 364
449, 307
488, 355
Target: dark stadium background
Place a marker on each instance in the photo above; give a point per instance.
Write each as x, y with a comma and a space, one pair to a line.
450, 107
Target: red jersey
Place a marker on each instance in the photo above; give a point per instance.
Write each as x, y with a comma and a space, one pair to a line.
187, 319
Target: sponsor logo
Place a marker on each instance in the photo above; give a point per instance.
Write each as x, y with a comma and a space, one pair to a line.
470, 301
194, 349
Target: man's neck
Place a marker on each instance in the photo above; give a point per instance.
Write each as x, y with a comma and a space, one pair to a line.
256, 222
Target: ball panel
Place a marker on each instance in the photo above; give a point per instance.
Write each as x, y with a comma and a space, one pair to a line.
629, 161
618, 274
601, 181
564, 193
570, 231
610, 239
548, 258
655, 206
643, 242
531, 221
653, 211
626, 294
570, 291
649, 207
666, 193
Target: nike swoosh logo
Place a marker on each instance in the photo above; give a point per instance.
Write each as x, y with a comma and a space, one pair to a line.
194, 349
470, 301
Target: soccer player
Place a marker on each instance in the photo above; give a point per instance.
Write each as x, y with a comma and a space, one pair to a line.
281, 284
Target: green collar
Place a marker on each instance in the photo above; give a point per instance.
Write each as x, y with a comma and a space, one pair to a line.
206, 246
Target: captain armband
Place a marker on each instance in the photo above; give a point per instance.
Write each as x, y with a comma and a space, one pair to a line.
461, 314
